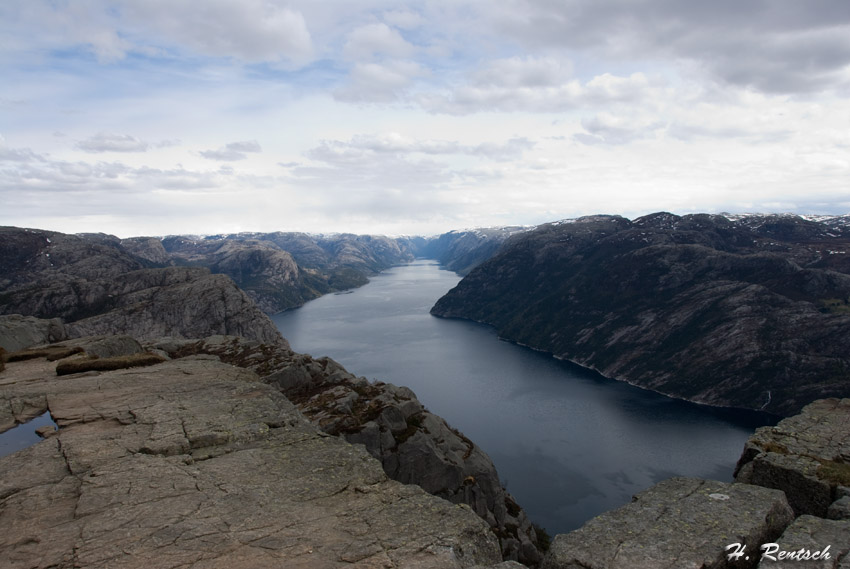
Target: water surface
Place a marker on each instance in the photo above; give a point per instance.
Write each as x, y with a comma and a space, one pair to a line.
567, 442
22, 436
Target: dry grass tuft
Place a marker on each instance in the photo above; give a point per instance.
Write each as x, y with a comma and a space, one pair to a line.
108, 364
52, 353
837, 473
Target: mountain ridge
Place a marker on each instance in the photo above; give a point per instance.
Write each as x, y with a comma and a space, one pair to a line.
698, 307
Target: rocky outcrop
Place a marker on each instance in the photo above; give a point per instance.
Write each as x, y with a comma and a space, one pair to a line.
810, 543
750, 313
97, 287
177, 302
807, 456
196, 463
18, 332
413, 445
681, 522
148, 248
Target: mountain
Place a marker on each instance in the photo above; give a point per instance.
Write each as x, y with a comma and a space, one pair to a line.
752, 311
461, 251
281, 270
97, 286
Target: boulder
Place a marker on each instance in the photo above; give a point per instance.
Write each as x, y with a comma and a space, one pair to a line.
840, 509
18, 332
680, 522
807, 456
809, 543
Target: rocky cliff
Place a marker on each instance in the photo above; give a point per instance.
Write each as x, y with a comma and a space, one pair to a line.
413, 445
196, 463
751, 312
97, 286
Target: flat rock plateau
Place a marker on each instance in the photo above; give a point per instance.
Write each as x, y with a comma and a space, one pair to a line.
196, 463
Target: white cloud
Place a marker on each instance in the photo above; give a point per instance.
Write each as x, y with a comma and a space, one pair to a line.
18, 154
107, 142
611, 129
404, 19
232, 151
362, 147
251, 30
248, 30
379, 82
532, 87
518, 72
781, 46
515, 111
376, 39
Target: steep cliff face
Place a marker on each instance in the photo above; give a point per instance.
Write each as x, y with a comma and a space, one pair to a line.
98, 287
749, 313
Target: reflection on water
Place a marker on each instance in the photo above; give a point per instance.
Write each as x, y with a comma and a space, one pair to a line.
23, 435
568, 443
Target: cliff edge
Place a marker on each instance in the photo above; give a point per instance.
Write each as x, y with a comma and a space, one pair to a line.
196, 463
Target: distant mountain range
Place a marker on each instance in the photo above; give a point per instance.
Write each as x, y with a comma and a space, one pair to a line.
742, 310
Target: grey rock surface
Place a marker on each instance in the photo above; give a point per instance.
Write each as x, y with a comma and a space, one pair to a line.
676, 524
178, 302
18, 332
105, 346
807, 456
840, 509
807, 537
413, 445
194, 463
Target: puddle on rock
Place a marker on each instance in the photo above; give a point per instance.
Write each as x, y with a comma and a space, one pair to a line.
24, 435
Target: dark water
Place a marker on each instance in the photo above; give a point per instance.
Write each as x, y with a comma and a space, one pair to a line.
23, 435
568, 443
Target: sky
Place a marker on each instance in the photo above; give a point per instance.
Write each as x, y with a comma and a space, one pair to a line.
156, 117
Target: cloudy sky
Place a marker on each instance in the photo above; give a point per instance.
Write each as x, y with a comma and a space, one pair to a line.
151, 117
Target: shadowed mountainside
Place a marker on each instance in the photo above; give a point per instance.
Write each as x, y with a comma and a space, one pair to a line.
750, 312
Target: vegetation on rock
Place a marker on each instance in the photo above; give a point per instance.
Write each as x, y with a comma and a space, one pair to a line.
107, 364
